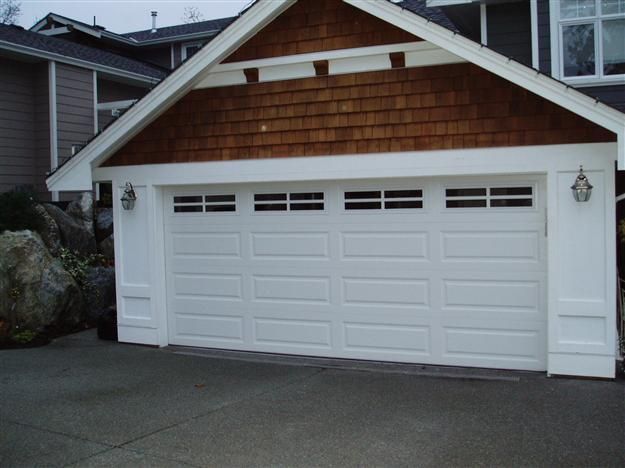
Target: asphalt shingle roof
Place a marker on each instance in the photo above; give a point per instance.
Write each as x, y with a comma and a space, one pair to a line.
215, 25
18, 36
433, 13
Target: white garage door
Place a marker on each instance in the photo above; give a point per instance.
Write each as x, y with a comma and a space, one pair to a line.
439, 271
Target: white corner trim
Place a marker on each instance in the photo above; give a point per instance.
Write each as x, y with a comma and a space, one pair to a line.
534, 32
171, 52
484, 23
95, 102
52, 118
171, 89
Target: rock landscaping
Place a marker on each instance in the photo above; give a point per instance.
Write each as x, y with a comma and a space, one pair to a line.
56, 268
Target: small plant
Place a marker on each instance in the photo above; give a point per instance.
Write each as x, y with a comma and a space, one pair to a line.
24, 336
78, 266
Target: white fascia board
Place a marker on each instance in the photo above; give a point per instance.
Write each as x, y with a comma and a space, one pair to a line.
474, 161
110, 105
25, 50
54, 31
517, 73
443, 3
167, 93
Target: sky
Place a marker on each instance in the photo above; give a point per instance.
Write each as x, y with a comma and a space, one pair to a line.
124, 16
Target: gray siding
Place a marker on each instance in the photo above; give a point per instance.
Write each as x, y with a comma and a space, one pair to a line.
17, 124
544, 37
42, 129
509, 30
612, 95
74, 101
111, 91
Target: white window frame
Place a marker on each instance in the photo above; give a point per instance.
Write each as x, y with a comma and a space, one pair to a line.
557, 64
183, 48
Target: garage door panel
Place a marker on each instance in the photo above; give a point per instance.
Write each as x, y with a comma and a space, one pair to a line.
428, 285
290, 245
208, 245
385, 292
490, 246
214, 327
217, 286
490, 294
398, 246
379, 337
287, 333
492, 344
290, 289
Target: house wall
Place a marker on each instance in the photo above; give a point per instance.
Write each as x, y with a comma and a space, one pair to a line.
75, 108
17, 124
613, 95
509, 30
42, 129
415, 109
319, 26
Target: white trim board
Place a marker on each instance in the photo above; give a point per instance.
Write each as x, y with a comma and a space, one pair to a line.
477, 161
261, 13
361, 59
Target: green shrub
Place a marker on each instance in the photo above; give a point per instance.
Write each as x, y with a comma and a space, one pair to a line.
78, 266
24, 336
17, 212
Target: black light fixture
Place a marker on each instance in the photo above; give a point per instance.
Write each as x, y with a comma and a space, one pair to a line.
581, 188
129, 197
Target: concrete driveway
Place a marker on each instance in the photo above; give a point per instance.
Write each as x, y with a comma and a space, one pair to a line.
84, 402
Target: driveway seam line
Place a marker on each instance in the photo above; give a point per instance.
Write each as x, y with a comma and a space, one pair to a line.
224, 406
71, 436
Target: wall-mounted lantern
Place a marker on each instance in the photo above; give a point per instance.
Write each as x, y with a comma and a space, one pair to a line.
581, 188
129, 197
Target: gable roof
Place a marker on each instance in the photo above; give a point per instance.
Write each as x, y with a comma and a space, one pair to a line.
76, 173
16, 39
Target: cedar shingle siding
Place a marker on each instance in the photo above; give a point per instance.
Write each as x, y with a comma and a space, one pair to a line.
415, 109
319, 25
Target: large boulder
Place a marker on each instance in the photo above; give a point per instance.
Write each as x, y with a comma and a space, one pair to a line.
74, 236
106, 248
50, 233
35, 290
103, 223
81, 209
99, 291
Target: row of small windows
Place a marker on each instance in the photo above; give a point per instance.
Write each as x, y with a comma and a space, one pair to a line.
405, 199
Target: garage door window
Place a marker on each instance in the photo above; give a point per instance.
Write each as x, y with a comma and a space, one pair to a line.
205, 203
297, 201
489, 197
384, 199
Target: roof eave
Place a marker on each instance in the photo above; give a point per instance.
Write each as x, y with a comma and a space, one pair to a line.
75, 174
33, 52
